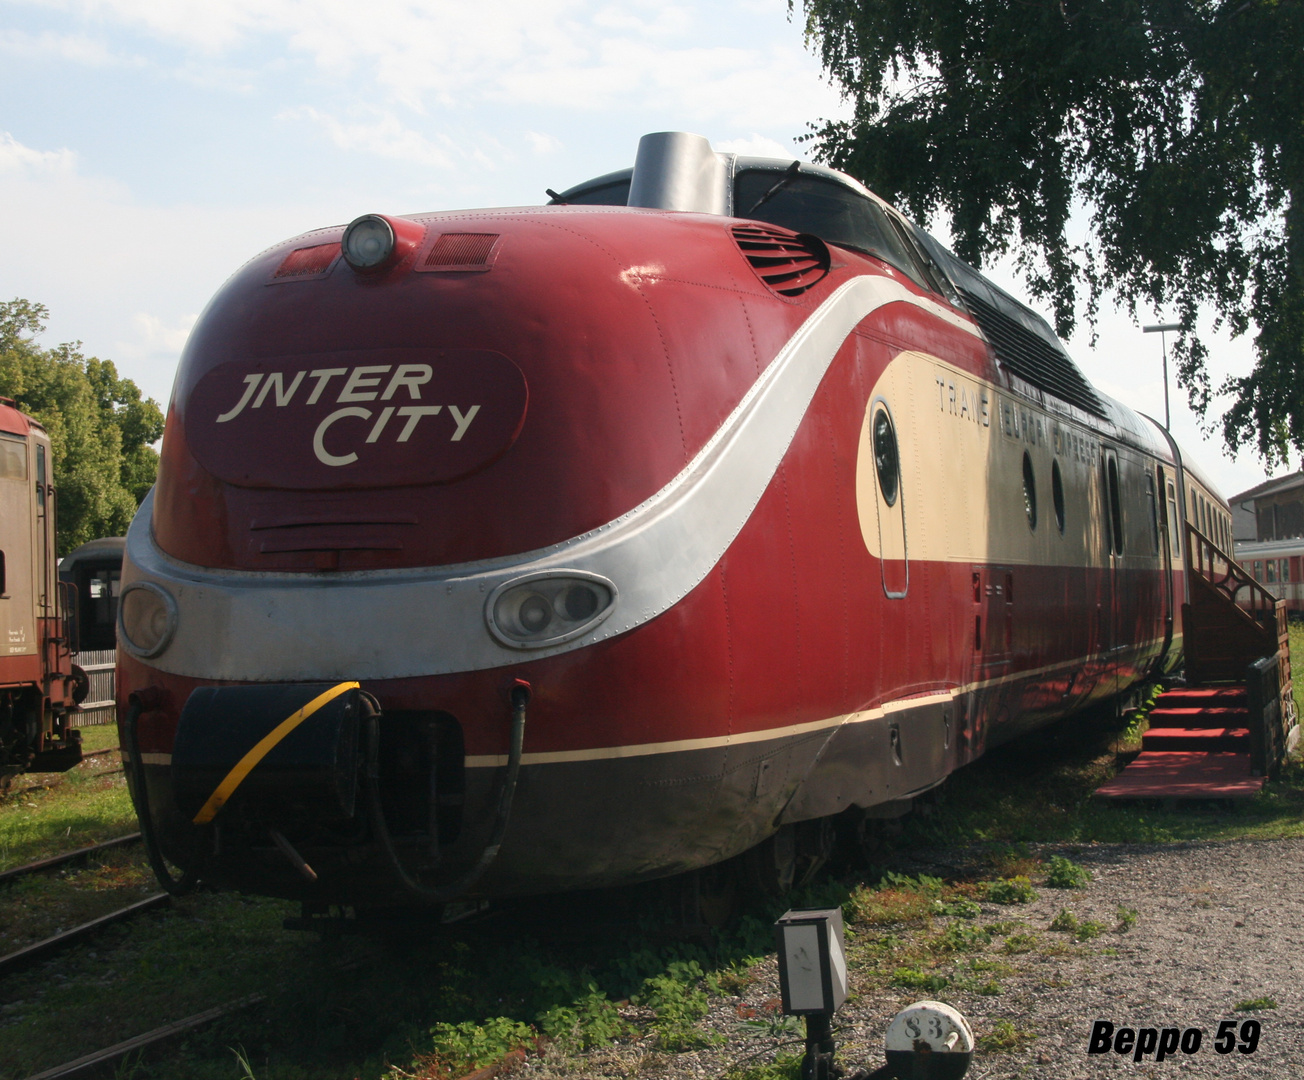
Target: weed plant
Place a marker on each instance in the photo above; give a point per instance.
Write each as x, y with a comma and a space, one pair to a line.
1015, 890
1064, 874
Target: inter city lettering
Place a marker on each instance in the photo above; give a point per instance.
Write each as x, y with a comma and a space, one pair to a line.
361, 383
366, 382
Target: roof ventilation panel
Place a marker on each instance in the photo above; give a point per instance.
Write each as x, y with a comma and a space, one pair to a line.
307, 262
461, 252
788, 263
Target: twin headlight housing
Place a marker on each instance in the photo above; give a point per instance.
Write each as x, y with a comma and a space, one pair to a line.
548, 608
530, 612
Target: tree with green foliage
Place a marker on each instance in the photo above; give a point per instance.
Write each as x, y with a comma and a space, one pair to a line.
1176, 124
100, 427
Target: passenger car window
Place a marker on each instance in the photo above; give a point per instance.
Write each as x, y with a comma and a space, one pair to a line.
834, 213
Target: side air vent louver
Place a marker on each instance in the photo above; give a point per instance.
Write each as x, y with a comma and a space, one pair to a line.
307, 262
788, 263
461, 251
1032, 358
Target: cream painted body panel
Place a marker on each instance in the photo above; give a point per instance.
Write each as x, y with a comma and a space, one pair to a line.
961, 443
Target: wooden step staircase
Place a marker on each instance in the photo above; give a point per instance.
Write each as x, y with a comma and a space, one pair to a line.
1222, 735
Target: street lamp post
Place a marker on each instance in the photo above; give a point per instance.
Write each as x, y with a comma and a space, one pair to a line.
1161, 329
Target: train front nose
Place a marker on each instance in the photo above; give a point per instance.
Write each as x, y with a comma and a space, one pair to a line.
433, 480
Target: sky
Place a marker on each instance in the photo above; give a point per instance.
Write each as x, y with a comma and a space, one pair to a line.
148, 148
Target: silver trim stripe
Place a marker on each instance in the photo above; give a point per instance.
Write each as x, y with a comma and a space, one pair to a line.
246, 626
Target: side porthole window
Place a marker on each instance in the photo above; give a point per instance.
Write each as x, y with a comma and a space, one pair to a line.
885, 457
1057, 495
1029, 491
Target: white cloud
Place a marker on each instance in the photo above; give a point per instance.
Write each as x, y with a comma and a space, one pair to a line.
574, 54
122, 277
158, 335
17, 158
755, 146
543, 144
77, 48
665, 21
381, 134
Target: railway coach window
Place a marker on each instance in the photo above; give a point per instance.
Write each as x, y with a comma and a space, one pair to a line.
834, 213
1029, 492
1057, 495
1115, 507
886, 462
13, 459
1172, 518
1154, 515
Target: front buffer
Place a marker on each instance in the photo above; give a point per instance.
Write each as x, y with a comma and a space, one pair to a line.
256, 769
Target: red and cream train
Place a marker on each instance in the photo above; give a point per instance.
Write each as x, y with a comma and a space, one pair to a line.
507, 551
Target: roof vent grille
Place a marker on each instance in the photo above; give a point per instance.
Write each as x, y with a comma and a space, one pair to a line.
789, 263
461, 251
307, 262
1029, 356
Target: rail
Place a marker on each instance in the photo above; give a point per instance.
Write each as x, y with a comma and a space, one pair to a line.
1227, 577
1236, 630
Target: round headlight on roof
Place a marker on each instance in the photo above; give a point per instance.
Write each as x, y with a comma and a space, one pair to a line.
368, 242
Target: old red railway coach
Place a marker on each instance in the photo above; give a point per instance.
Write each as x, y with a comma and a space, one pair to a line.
40, 686
507, 551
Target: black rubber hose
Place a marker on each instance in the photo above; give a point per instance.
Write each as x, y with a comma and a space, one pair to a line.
140, 797
444, 893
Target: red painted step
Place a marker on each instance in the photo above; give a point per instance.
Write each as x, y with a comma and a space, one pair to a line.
1213, 696
1205, 739
1179, 774
1197, 717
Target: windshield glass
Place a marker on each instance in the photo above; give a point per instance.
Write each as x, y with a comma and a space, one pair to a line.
834, 213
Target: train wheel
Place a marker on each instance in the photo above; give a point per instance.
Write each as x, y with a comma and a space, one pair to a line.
788, 859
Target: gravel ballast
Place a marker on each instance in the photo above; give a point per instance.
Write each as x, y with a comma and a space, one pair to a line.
1218, 924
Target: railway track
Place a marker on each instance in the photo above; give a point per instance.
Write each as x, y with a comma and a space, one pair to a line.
80, 855
31, 954
37, 951
87, 1062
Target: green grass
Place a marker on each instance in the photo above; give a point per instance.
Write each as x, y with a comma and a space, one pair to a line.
84, 806
1005, 1038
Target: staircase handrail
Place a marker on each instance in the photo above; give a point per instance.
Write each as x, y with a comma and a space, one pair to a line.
1203, 556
